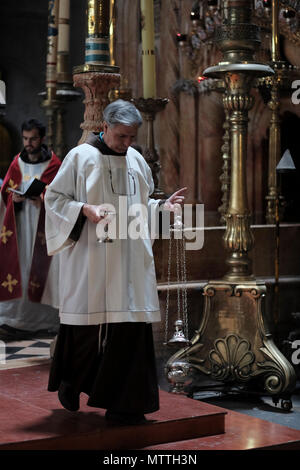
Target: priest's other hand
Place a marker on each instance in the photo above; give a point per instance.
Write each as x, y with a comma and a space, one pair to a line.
96, 213
17, 198
172, 202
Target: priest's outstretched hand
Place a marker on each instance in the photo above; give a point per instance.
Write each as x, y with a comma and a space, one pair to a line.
96, 213
172, 202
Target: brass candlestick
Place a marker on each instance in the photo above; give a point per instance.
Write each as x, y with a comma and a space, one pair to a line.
275, 134
149, 107
233, 345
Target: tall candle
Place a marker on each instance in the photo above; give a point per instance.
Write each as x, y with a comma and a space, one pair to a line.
63, 73
112, 31
275, 33
63, 26
148, 49
97, 41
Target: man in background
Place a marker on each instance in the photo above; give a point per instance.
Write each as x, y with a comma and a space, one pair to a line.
28, 276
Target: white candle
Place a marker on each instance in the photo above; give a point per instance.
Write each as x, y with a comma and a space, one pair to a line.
64, 26
148, 49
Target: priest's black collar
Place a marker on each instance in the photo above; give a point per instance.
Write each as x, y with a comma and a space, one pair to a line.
45, 155
94, 140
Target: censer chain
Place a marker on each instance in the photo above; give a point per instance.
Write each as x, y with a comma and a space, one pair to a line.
182, 309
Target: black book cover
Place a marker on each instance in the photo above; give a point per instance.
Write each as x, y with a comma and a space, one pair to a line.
32, 188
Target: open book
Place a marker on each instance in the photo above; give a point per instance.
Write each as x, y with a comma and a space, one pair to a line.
32, 188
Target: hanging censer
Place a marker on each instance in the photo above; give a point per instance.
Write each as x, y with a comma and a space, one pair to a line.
177, 239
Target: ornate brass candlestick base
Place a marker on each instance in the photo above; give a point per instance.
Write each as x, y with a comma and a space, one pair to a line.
149, 107
233, 345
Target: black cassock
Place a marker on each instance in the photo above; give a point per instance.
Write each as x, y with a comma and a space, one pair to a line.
121, 376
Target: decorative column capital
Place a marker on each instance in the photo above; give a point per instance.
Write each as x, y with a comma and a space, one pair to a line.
96, 87
97, 77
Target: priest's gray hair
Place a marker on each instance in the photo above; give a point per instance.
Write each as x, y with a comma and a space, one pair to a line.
122, 112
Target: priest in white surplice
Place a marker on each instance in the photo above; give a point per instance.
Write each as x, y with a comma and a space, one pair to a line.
108, 291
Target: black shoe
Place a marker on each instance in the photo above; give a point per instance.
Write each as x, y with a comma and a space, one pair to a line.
125, 418
68, 398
